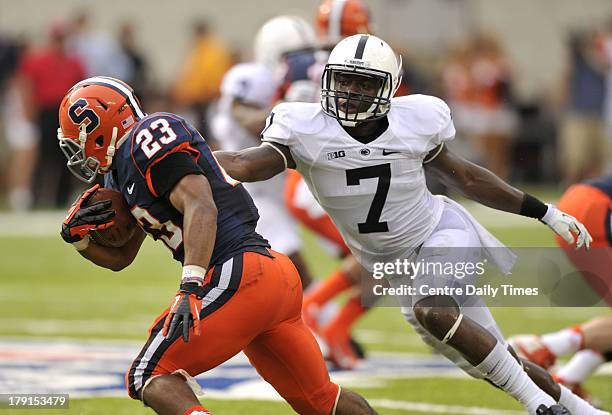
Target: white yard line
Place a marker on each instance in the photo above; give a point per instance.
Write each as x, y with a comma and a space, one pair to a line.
43, 223
49, 327
439, 409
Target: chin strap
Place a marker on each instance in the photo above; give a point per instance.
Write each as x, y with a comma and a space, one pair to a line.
110, 151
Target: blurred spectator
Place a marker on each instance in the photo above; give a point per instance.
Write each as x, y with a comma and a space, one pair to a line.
100, 53
20, 133
10, 51
138, 73
199, 80
606, 45
478, 85
44, 76
582, 137
457, 89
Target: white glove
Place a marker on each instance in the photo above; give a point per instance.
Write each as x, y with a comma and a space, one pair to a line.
565, 226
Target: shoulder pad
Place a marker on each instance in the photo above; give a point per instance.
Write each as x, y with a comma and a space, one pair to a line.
290, 120
424, 114
306, 118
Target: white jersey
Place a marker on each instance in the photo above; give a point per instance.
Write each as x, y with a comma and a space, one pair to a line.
375, 193
253, 84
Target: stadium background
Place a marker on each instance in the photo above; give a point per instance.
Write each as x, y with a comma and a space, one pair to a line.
50, 297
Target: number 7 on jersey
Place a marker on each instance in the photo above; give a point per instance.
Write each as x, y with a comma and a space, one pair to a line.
383, 173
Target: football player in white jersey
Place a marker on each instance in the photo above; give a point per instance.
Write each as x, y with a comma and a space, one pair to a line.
363, 156
247, 92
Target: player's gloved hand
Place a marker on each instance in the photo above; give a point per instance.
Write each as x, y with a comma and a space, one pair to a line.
566, 226
185, 309
82, 219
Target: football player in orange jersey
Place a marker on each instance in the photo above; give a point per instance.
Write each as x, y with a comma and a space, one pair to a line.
590, 343
178, 193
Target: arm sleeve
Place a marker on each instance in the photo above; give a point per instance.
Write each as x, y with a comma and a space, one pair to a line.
170, 170
277, 129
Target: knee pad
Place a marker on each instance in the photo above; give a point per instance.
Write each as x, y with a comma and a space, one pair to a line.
608, 356
449, 335
431, 319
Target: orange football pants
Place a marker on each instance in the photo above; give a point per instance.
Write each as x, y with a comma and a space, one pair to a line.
322, 225
252, 303
592, 207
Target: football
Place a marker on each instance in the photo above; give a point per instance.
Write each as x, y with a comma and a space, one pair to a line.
117, 235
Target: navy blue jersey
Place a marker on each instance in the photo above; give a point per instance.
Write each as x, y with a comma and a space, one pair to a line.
603, 183
299, 66
156, 137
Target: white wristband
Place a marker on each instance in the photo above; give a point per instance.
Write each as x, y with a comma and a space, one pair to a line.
193, 273
549, 213
82, 244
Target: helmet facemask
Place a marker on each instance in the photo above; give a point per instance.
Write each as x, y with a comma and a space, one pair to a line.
331, 95
85, 168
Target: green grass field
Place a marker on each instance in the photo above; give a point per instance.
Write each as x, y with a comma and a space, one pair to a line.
47, 290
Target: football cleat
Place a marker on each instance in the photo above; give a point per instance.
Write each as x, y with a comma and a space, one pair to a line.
341, 351
531, 348
552, 410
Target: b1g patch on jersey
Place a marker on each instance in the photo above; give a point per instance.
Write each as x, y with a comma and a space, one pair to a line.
336, 154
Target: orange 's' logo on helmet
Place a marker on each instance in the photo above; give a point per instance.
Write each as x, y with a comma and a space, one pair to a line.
95, 117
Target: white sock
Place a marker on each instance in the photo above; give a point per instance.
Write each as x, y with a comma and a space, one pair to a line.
504, 371
566, 341
576, 405
581, 366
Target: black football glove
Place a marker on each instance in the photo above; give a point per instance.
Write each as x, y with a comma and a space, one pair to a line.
82, 219
185, 309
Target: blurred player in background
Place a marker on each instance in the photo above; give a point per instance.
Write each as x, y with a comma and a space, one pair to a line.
247, 93
287, 45
590, 343
335, 20
235, 293
358, 132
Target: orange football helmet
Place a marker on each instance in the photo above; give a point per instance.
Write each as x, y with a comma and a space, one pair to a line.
95, 117
337, 19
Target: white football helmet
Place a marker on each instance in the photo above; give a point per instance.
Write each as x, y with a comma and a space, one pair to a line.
366, 55
281, 35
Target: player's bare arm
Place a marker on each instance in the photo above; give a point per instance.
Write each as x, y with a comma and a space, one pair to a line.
192, 197
481, 185
256, 163
473, 181
115, 259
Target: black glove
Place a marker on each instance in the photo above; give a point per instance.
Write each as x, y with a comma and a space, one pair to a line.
82, 219
185, 308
